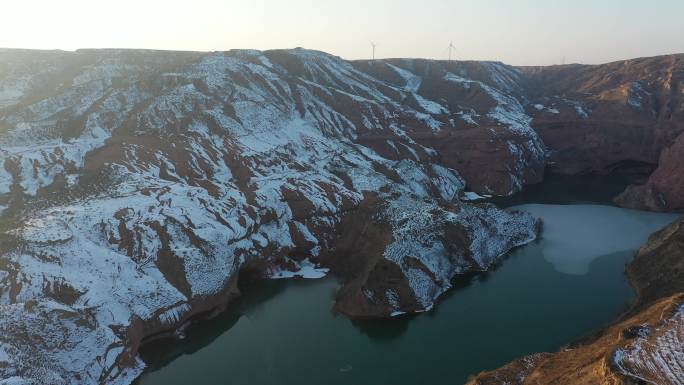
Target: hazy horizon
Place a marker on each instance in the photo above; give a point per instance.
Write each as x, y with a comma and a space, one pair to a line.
529, 32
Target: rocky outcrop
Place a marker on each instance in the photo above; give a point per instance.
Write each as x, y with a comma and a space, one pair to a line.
664, 190
657, 270
645, 346
406, 243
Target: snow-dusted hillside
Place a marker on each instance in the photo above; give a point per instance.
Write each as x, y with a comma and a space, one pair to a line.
136, 185
656, 355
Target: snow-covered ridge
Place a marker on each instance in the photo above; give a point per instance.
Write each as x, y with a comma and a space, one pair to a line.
657, 354
135, 185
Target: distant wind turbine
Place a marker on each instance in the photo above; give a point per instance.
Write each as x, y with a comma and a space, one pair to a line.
373, 45
451, 48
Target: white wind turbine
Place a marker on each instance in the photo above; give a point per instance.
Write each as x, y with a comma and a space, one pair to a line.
373, 45
451, 48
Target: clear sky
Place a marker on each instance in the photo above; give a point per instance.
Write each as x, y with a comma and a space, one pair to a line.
522, 32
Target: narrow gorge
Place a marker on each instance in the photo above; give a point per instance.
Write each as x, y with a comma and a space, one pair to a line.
139, 188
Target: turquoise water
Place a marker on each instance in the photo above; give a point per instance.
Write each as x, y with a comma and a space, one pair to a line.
544, 295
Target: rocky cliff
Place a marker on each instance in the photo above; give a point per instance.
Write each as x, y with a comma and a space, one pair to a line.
623, 117
664, 189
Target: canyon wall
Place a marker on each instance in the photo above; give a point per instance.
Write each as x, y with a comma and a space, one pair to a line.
137, 186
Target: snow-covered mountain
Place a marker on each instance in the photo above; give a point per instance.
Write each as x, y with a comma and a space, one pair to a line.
136, 185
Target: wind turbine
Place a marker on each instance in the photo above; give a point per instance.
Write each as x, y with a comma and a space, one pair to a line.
373, 45
451, 48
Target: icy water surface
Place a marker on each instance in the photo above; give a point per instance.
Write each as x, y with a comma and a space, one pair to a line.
541, 297
575, 235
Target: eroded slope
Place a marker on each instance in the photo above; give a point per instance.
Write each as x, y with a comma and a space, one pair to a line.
136, 185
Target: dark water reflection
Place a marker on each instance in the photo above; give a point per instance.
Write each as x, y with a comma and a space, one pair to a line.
562, 190
283, 332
